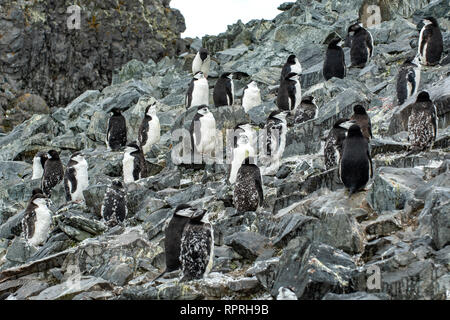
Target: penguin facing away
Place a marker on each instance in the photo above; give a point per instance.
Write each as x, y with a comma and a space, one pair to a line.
223, 94
292, 65
134, 165
307, 110
361, 45
114, 207
248, 192
198, 91
422, 123
37, 221
203, 132
362, 119
333, 144
355, 166
201, 62
431, 44
53, 172
76, 178
197, 247
38, 165
408, 80
334, 64
251, 97
244, 144
274, 142
116, 136
173, 234
150, 130
290, 93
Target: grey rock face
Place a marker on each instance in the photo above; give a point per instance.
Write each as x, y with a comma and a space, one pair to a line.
81, 59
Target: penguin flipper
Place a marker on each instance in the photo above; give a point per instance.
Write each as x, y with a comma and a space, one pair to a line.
28, 224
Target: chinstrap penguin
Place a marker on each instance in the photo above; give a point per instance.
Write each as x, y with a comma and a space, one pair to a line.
245, 141
223, 94
76, 178
116, 136
150, 130
114, 207
355, 166
431, 44
198, 91
290, 93
292, 65
203, 134
361, 45
334, 64
251, 97
53, 172
422, 123
248, 192
197, 247
274, 142
134, 164
201, 62
408, 80
362, 119
37, 221
38, 165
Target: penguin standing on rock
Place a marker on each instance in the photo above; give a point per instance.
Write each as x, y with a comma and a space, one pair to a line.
362, 119
116, 136
290, 93
150, 130
198, 91
431, 44
274, 142
333, 144
223, 93
307, 110
37, 220
243, 144
355, 166
292, 65
134, 165
422, 123
248, 191
197, 247
38, 165
76, 178
203, 132
334, 64
114, 207
53, 172
408, 80
201, 62
251, 97
361, 45
173, 234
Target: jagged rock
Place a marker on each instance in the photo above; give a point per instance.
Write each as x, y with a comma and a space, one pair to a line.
384, 225
313, 270
29, 289
392, 187
248, 244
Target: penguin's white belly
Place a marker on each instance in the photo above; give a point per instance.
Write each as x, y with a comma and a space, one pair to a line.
81, 174
38, 171
208, 135
128, 167
153, 135
251, 99
238, 158
42, 226
200, 94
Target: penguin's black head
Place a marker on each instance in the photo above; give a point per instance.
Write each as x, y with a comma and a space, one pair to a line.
116, 111
308, 99
36, 191
116, 183
334, 43
203, 109
38, 196
249, 161
354, 131
356, 27
359, 109
432, 20
203, 53
53, 154
199, 75
291, 59
423, 97
226, 75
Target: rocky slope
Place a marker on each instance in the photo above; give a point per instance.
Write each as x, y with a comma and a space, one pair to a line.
40, 55
309, 236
